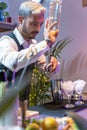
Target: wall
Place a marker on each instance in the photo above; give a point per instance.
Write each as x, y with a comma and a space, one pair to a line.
74, 55
74, 24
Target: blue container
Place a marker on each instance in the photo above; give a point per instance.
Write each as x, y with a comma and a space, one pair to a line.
1, 16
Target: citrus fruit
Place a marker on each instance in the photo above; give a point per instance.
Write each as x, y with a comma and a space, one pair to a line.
49, 123
33, 126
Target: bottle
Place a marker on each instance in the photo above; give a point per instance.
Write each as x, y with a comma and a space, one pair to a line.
60, 91
55, 12
53, 16
58, 97
57, 92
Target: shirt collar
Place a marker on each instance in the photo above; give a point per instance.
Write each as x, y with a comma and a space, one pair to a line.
19, 37
21, 40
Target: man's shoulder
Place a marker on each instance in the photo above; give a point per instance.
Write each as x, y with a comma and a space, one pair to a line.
5, 37
6, 40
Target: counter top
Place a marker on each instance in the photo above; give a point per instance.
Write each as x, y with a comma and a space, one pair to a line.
55, 109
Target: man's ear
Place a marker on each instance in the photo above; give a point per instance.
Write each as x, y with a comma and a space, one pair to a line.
20, 18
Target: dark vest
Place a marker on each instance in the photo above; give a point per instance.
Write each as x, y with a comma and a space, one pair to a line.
27, 76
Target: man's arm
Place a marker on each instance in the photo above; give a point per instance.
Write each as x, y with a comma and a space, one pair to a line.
9, 54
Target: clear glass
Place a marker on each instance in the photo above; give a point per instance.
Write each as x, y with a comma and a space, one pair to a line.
79, 92
57, 93
79, 86
55, 12
68, 88
54, 16
69, 94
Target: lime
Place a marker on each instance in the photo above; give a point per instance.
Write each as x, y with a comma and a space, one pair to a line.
33, 126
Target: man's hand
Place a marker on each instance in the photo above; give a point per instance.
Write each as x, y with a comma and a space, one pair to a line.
49, 33
52, 65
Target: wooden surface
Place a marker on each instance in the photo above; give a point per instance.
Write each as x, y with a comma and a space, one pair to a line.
4, 26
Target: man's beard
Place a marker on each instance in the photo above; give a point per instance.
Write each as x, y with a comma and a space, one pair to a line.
30, 35
33, 34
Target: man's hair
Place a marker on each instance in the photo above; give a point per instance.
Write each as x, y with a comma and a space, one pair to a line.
30, 8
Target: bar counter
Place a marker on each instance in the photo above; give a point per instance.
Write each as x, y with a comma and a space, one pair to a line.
56, 109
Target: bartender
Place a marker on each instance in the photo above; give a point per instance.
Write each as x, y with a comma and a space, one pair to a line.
20, 48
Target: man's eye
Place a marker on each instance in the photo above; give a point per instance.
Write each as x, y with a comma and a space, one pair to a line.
41, 24
35, 24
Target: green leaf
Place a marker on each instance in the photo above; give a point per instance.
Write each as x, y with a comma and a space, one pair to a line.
7, 101
56, 49
3, 5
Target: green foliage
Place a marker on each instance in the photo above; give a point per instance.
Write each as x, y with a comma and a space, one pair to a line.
3, 6
39, 88
57, 48
5, 14
40, 84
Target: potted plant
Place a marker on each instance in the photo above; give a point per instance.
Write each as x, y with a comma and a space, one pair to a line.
3, 6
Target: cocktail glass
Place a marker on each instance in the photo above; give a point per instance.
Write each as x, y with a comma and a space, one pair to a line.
68, 88
79, 86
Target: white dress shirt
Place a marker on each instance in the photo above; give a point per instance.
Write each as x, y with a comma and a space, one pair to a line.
9, 54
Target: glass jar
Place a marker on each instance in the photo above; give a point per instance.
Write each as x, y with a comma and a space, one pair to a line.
55, 12
57, 92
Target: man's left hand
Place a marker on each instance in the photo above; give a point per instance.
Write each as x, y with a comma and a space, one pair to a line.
52, 65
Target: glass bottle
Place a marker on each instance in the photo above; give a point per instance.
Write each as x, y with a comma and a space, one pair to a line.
59, 92
53, 16
55, 12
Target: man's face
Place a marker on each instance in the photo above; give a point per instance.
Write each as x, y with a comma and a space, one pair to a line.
31, 26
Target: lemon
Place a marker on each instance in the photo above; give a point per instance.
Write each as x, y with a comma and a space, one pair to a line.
49, 123
33, 126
